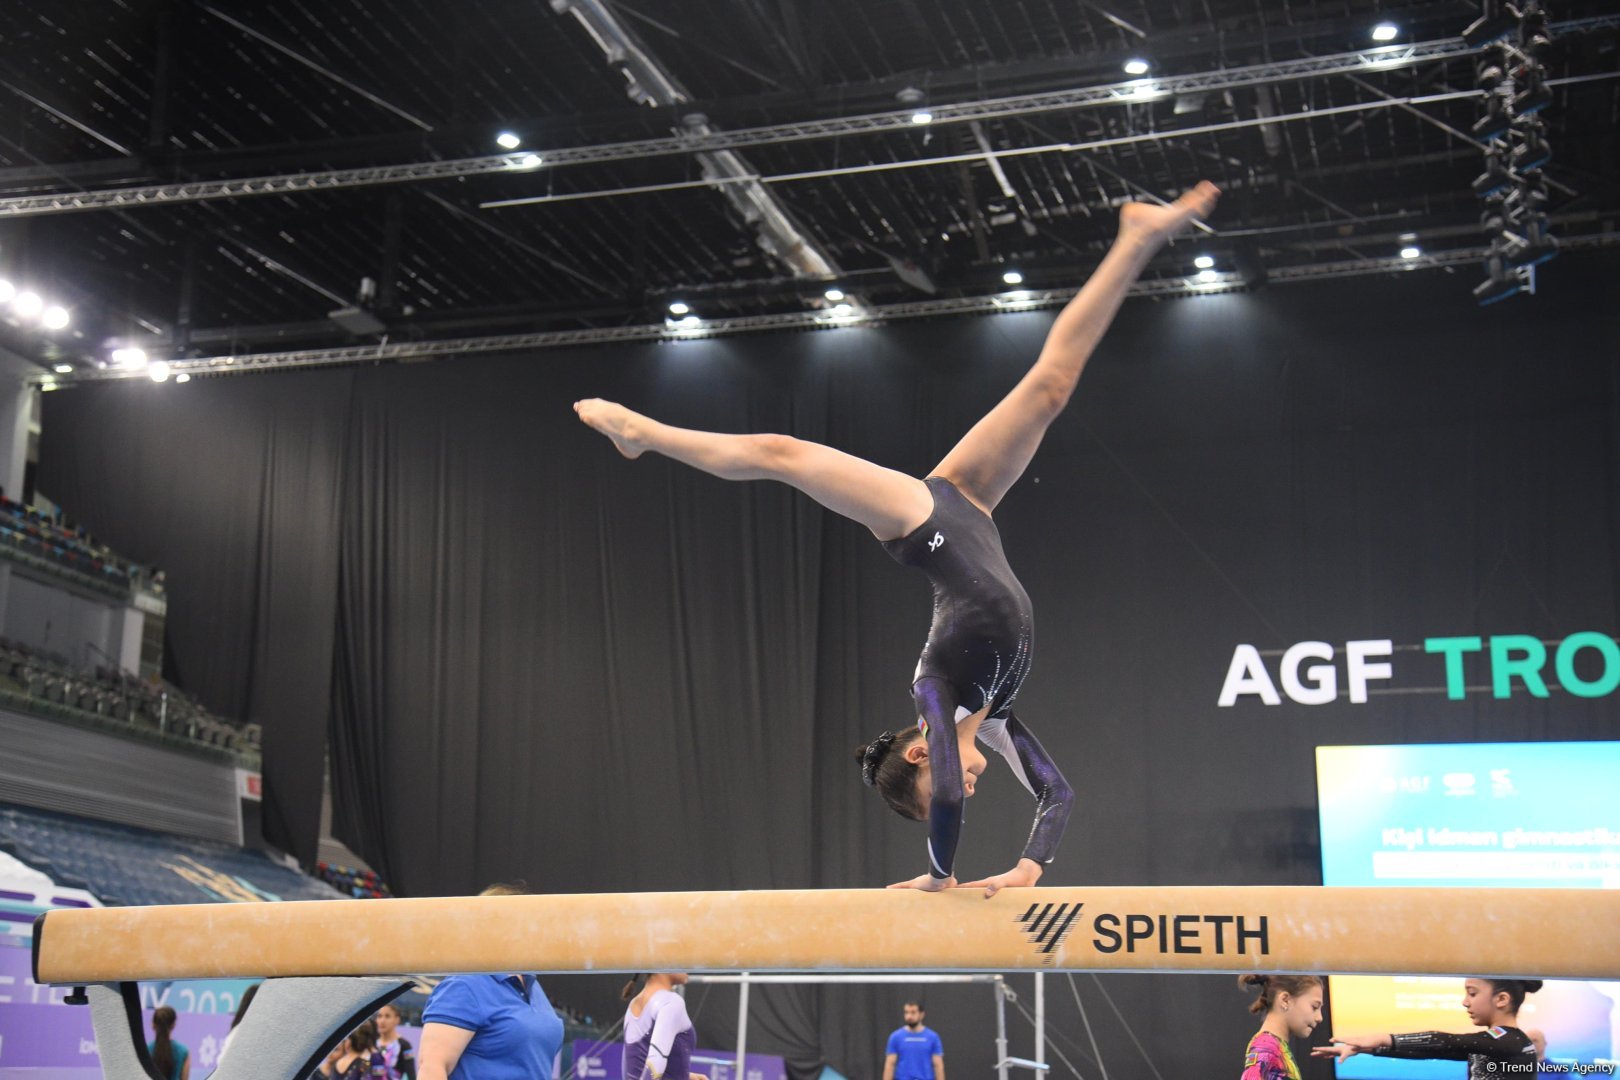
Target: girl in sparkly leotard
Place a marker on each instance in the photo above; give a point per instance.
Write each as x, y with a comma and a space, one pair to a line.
980, 642
1501, 1047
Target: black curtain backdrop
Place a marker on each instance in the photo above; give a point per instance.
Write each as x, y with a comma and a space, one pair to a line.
540, 661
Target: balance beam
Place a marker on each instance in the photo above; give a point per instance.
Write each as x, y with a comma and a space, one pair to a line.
1528, 933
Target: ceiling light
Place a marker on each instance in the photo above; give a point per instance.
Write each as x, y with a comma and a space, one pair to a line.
691, 322
1204, 262
676, 307
158, 370
7, 290
1013, 277
183, 377
1411, 251
129, 357
55, 318
922, 116
1208, 275
1136, 66
835, 295
506, 140
530, 161
1385, 32
27, 304
843, 309
1146, 89
63, 369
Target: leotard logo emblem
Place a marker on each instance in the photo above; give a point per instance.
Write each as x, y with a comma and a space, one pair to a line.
937, 542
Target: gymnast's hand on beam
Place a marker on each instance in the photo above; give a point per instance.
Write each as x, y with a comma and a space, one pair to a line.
927, 883
1026, 873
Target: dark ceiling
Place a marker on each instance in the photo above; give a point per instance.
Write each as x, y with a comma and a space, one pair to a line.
101, 94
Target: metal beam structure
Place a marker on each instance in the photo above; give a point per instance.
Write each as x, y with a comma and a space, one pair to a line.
1018, 300
650, 83
1067, 147
1136, 91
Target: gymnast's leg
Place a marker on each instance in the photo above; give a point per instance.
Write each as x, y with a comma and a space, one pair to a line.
889, 503
994, 454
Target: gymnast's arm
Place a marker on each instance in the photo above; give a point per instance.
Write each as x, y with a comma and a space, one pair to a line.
936, 714
1445, 1044
1054, 799
671, 1021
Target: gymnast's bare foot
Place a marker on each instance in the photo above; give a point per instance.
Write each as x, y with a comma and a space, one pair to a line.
1158, 223
615, 421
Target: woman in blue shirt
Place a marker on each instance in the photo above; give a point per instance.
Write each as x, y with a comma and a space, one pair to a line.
489, 1027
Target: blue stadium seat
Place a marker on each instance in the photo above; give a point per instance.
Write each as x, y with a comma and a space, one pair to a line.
125, 865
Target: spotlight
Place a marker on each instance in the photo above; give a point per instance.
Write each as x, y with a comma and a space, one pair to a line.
835, 295
1534, 34
1539, 247
1535, 96
506, 140
1496, 122
1385, 32
129, 357
1499, 285
7, 291
1531, 154
530, 161
691, 322
63, 369
1204, 262
27, 304
55, 317
183, 377
1137, 66
1499, 21
1013, 277
676, 307
843, 309
1411, 251
917, 101
1494, 179
158, 370
1207, 276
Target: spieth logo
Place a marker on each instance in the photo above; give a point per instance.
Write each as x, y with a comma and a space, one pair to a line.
1046, 925
1460, 784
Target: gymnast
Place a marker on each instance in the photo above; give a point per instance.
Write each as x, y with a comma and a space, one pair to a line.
658, 1035
1292, 1007
979, 645
1492, 1004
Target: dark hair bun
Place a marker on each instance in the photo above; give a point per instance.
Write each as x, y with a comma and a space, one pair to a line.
871, 756
1532, 985
1253, 979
